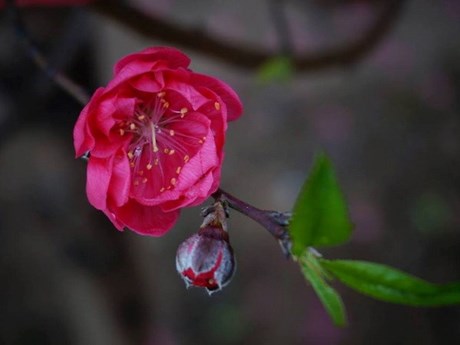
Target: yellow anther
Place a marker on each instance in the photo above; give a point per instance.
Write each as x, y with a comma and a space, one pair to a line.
183, 111
166, 150
171, 132
161, 94
156, 161
149, 166
173, 181
217, 105
122, 131
178, 170
166, 105
130, 155
132, 126
171, 152
162, 189
186, 158
141, 117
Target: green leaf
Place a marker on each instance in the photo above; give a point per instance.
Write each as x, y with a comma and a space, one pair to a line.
330, 299
391, 285
320, 216
276, 69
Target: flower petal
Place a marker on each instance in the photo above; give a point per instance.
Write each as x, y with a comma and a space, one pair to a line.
194, 195
97, 181
172, 57
229, 97
146, 220
197, 179
180, 81
205, 160
83, 140
120, 181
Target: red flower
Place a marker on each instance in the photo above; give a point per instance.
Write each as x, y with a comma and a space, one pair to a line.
155, 136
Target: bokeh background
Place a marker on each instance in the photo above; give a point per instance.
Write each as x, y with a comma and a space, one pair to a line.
389, 119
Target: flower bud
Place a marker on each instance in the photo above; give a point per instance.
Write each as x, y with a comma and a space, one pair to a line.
206, 259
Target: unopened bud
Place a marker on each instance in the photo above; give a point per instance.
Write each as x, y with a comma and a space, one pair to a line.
206, 259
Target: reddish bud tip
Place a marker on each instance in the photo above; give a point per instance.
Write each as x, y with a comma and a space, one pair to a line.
206, 259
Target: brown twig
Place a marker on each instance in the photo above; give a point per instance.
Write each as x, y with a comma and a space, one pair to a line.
243, 56
274, 222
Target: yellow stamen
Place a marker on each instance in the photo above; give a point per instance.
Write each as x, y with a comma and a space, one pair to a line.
183, 111
171, 132
132, 126
130, 155
149, 166
217, 105
171, 152
122, 131
154, 138
186, 158
173, 181
178, 170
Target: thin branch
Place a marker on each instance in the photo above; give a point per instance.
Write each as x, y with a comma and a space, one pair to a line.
275, 222
64, 82
244, 56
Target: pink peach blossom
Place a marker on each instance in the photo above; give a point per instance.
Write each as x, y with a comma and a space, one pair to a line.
155, 137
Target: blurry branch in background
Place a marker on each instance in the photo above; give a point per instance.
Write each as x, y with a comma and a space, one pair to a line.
281, 24
40, 60
243, 56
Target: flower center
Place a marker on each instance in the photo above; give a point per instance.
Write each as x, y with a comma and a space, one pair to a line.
161, 143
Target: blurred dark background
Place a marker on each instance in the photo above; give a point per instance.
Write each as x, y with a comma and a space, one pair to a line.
388, 116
